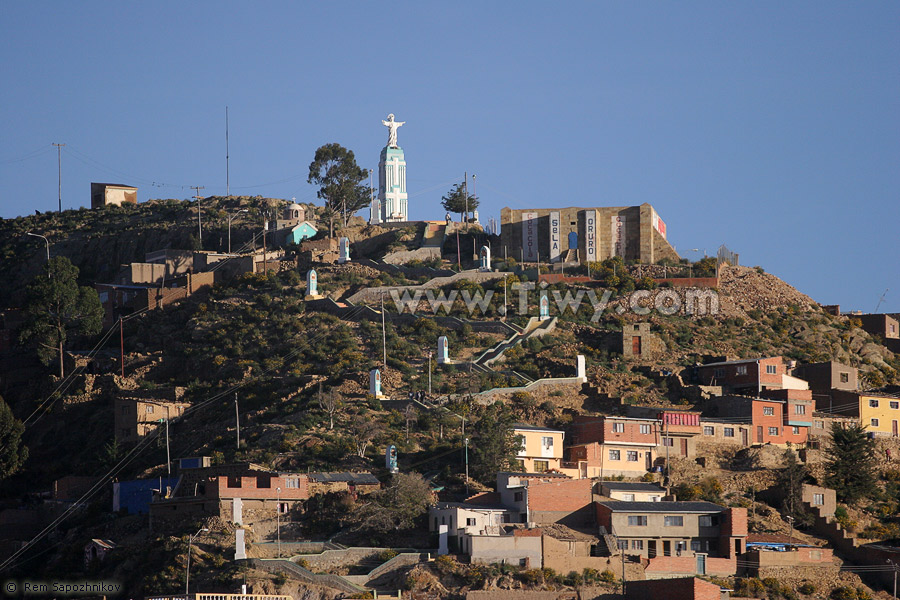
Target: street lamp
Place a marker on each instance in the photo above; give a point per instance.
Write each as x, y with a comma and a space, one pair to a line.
230, 219
187, 574
46, 241
278, 518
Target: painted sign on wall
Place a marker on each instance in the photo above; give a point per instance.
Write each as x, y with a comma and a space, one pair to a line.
555, 242
529, 236
658, 224
618, 223
590, 235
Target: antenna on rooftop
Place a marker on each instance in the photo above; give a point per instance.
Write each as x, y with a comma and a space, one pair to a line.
880, 300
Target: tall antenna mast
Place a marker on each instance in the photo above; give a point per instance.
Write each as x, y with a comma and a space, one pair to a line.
59, 174
227, 179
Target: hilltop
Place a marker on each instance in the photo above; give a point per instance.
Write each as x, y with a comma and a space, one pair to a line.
257, 340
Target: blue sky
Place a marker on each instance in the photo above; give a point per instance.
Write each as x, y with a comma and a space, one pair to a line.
771, 127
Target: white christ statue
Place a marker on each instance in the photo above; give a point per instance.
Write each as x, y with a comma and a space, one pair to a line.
392, 126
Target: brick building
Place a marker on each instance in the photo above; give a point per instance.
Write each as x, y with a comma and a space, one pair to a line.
826, 376
772, 421
675, 529
139, 412
878, 412
541, 450
605, 446
584, 235
546, 498
115, 194
749, 375
676, 588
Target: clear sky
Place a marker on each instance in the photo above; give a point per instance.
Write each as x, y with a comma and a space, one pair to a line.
772, 127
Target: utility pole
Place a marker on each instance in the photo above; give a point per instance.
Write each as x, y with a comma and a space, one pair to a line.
467, 466
227, 179
622, 550
265, 259
199, 223
429, 373
237, 420
168, 459
383, 335
122, 347
466, 191
59, 174
896, 568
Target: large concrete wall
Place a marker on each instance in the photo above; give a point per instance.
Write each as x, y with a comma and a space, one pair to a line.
642, 241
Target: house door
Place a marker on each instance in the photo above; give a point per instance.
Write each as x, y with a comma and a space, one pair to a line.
684, 447
701, 564
667, 548
636, 345
759, 434
894, 428
651, 548
650, 459
744, 440
573, 241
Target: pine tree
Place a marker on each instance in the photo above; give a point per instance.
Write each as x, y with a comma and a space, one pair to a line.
12, 452
850, 466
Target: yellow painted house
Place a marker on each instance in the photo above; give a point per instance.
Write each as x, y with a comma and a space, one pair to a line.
878, 412
542, 448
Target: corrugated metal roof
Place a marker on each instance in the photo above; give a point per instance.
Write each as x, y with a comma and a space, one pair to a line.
354, 478
662, 507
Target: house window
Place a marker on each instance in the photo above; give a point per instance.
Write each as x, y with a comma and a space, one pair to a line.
709, 430
547, 443
740, 370
521, 464
614, 455
728, 432
523, 562
632, 455
668, 442
771, 369
818, 499
628, 497
873, 403
820, 424
234, 482
637, 521
799, 409
149, 409
618, 428
622, 544
768, 410
292, 483
845, 377
895, 405
720, 372
673, 521
773, 431
263, 481
517, 497
695, 545
796, 430
707, 521
637, 544
645, 429
874, 422
470, 522
541, 465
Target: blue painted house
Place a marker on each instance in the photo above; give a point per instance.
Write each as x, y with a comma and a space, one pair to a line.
298, 233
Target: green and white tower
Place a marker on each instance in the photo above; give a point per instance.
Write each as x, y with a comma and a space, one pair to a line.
392, 176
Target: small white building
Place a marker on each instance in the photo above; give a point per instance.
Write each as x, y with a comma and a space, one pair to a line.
462, 518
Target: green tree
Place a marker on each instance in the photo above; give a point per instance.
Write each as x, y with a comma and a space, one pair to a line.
494, 446
56, 305
790, 483
397, 506
13, 452
335, 170
455, 201
850, 464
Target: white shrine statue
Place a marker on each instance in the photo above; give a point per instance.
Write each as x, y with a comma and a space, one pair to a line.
392, 126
